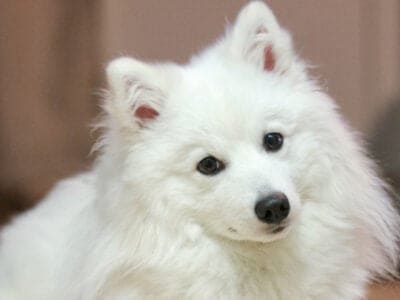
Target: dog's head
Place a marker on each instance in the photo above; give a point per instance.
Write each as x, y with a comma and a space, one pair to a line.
232, 140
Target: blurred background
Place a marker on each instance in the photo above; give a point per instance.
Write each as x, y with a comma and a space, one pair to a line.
53, 54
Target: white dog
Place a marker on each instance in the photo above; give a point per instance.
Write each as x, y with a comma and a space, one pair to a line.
233, 177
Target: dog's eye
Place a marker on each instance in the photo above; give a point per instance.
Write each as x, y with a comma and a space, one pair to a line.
210, 166
273, 141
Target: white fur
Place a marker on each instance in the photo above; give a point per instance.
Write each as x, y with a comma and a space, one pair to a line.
145, 224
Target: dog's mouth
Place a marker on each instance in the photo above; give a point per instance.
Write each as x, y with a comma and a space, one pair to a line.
266, 234
278, 229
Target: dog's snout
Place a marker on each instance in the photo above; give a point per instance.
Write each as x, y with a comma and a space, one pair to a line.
273, 209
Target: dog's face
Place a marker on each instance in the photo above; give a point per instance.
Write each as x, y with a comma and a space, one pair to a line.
219, 141
228, 143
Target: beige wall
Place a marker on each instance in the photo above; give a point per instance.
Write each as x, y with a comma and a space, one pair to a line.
48, 58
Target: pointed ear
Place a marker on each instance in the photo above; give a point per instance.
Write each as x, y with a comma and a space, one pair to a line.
257, 38
138, 91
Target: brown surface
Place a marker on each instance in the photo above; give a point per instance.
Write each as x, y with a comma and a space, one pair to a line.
49, 68
52, 54
384, 292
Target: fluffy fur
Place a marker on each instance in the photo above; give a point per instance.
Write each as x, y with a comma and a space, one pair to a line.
145, 224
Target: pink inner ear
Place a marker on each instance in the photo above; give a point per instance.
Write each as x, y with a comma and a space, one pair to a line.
269, 59
146, 112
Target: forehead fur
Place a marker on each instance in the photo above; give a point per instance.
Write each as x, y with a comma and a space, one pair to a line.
236, 99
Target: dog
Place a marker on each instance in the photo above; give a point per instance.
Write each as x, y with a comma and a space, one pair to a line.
232, 177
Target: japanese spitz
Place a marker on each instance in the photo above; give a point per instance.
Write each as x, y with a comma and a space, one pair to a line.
232, 177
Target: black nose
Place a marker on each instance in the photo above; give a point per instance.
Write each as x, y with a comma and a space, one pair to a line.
273, 209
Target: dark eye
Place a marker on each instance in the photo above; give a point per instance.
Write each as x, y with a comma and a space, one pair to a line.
273, 141
210, 166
